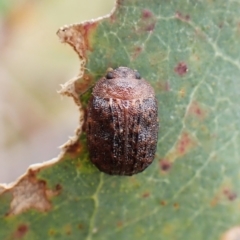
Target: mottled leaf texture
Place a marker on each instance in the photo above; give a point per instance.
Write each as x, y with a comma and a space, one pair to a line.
189, 51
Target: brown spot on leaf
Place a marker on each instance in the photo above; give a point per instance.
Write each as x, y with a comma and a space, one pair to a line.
52, 232
185, 143
182, 17
232, 234
87, 31
220, 25
58, 187
119, 224
32, 173
156, 59
224, 193
21, 231
146, 195
196, 110
165, 165
30, 192
68, 229
164, 86
176, 205
148, 20
113, 18
163, 203
80, 226
214, 201
83, 84
136, 52
146, 13
79, 36
181, 68
150, 27
230, 194
78, 132
75, 148
182, 93
133, 182
120, 2
167, 86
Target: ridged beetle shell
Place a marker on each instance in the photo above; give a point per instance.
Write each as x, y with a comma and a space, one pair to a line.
122, 123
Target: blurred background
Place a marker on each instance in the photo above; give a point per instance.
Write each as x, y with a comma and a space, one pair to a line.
34, 119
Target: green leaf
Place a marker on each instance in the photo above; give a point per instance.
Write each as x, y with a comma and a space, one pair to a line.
189, 52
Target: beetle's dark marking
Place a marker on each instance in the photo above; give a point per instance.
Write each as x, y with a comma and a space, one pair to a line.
135, 166
109, 75
125, 136
137, 75
113, 125
122, 114
181, 68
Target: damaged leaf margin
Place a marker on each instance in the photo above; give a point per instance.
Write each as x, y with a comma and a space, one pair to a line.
28, 191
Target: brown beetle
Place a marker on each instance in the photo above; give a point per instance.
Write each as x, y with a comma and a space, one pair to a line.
122, 123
